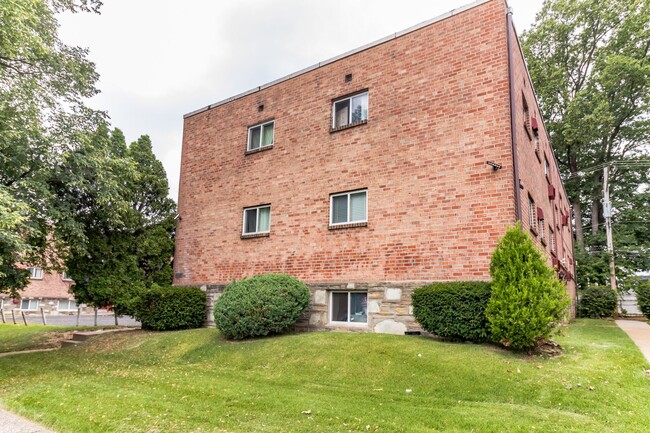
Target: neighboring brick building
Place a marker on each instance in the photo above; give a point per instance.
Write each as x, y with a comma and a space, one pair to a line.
50, 291
369, 174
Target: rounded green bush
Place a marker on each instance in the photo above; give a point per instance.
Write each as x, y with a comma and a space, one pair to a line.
597, 302
454, 310
171, 308
260, 305
642, 291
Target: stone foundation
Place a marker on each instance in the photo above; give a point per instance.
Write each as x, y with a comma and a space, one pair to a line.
389, 307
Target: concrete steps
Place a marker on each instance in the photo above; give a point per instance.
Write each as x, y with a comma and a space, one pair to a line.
79, 337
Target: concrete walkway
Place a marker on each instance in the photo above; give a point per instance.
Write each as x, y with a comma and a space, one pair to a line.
10, 423
639, 332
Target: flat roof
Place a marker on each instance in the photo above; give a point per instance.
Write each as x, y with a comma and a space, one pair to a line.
341, 56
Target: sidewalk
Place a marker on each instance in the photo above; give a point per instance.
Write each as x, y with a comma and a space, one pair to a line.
10, 423
639, 332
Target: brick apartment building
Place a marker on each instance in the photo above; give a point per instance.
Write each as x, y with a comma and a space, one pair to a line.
47, 290
375, 172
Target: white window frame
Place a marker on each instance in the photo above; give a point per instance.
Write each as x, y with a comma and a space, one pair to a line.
349, 193
35, 273
541, 230
551, 240
532, 214
547, 167
261, 125
257, 220
29, 304
65, 277
348, 322
58, 306
336, 101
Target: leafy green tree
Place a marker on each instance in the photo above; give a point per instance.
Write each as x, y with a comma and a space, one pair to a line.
527, 301
120, 222
43, 84
589, 62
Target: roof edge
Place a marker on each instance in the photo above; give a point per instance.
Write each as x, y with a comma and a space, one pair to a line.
385, 39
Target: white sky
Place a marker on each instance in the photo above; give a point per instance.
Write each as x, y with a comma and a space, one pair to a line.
160, 59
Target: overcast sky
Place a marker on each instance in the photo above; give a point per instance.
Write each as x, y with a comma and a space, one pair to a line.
160, 59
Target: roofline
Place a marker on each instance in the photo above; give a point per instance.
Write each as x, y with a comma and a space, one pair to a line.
341, 56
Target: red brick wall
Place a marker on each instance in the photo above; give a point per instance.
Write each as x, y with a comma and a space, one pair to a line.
51, 285
532, 150
438, 110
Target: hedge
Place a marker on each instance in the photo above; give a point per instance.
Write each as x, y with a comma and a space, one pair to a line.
171, 308
597, 302
454, 310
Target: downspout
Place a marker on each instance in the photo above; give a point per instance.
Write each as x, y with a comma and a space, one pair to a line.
513, 125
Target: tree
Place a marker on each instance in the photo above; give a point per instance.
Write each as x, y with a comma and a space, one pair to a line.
119, 221
43, 84
527, 300
589, 62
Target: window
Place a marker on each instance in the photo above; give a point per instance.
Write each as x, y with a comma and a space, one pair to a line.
65, 276
349, 207
349, 307
29, 304
351, 110
526, 116
35, 273
547, 169
257, 220
260, 136
532, 214
67, 305
541, 231
551, 239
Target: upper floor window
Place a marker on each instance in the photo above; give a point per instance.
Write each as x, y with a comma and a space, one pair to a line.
547, 168
65, 276
551, 239
349, 207
350, 110
257, 220
35, 273
532, 213
260, 135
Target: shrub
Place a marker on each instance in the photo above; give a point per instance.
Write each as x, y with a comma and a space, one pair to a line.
454, 310
597, 302
528, 300
642, 291
260, 305
170, 308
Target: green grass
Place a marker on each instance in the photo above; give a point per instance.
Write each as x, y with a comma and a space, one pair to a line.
19, 337
194, 381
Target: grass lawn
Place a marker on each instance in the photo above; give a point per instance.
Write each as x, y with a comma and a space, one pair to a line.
195, 381
20, 337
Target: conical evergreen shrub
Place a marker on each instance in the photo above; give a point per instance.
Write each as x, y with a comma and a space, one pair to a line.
527, 301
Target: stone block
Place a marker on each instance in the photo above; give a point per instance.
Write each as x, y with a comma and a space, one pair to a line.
393, 294
390, 326
320, 297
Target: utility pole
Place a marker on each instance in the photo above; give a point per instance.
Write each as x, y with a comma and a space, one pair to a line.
607, 213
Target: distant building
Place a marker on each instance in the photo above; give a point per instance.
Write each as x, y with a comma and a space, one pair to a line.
378, 171
50, 291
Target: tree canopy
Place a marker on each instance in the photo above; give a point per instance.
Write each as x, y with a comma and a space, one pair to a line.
589, 62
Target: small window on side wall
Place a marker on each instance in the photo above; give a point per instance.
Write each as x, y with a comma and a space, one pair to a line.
350, 110
261, 135
35, 273
257, 220
349, 207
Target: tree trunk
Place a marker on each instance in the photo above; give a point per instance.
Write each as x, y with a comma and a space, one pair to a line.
595, 212
577, 215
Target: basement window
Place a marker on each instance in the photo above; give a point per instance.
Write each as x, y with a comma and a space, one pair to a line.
260, 136
67, 305
257, 220
350, 111
29, 304
349, 307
